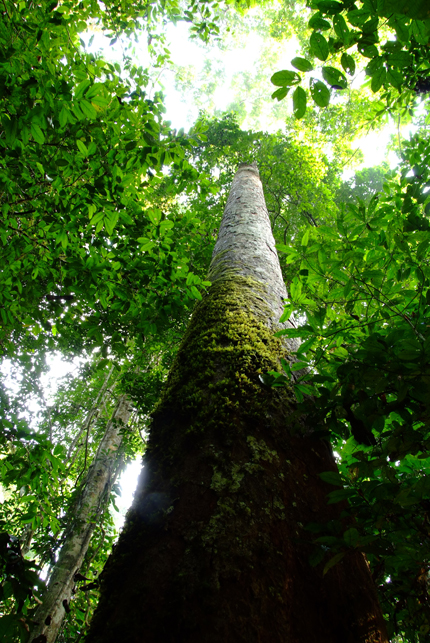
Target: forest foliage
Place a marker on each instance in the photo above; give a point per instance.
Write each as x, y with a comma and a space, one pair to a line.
390, 36
108, 221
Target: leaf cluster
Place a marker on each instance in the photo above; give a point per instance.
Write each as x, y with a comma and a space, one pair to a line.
18, 578
363, 287
398, 67
80, 230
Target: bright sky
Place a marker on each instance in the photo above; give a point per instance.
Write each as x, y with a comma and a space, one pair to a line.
128, 482
192, 55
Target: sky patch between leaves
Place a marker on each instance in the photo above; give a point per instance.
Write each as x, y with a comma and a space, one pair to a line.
233, 75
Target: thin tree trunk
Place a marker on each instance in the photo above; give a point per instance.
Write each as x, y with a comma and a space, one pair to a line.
91, 415
27, 536
86, 511
26, 539
215, 548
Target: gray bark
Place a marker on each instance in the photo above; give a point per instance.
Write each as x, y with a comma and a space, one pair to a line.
245, 244
246, 247
88, 508
91, 416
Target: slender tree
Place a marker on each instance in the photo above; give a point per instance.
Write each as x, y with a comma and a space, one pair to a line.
215, 547
85, 512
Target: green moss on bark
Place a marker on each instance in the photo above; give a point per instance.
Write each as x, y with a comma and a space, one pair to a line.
214, 548
225, 349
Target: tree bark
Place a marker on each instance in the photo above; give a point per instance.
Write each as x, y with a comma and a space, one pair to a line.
91, 416
86, 511
215, 548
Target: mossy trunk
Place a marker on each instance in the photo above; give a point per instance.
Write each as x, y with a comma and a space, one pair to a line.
215, 548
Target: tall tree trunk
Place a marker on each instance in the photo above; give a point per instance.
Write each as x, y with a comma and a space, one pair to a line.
215, 549
87, 509
90, 418
27, 535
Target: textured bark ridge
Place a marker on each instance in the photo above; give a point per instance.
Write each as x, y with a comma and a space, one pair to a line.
49, 616
215, 548
245, 244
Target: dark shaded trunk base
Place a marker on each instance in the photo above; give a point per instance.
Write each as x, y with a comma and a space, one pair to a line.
252, 583
215, 549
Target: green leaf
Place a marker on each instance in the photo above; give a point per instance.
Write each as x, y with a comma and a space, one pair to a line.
334, 77
272, 379
305, 389
110, 222
100, 101
37, 133
378, 79
395, 78
330, 7
298, 366
80, 89
421, 31
318, 45
357, 17
10, 126
332, 477
402, 30
82, 147
417, 10
295, 288
399, 59
147, 244
316, 557
341, 28
63, 118
369, 51
285, 78
348, 63
303, 348
370, 28
318, 23
280, 93
166, 225
299, 102
320, 93
374, 66
333, 561
305, 238
98, 217
286, 314
77, 112
302, 64
351, 537
196, 293
87, 109
348, 287
339, 495
423, 248
192, 279
95, 91
154, 215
